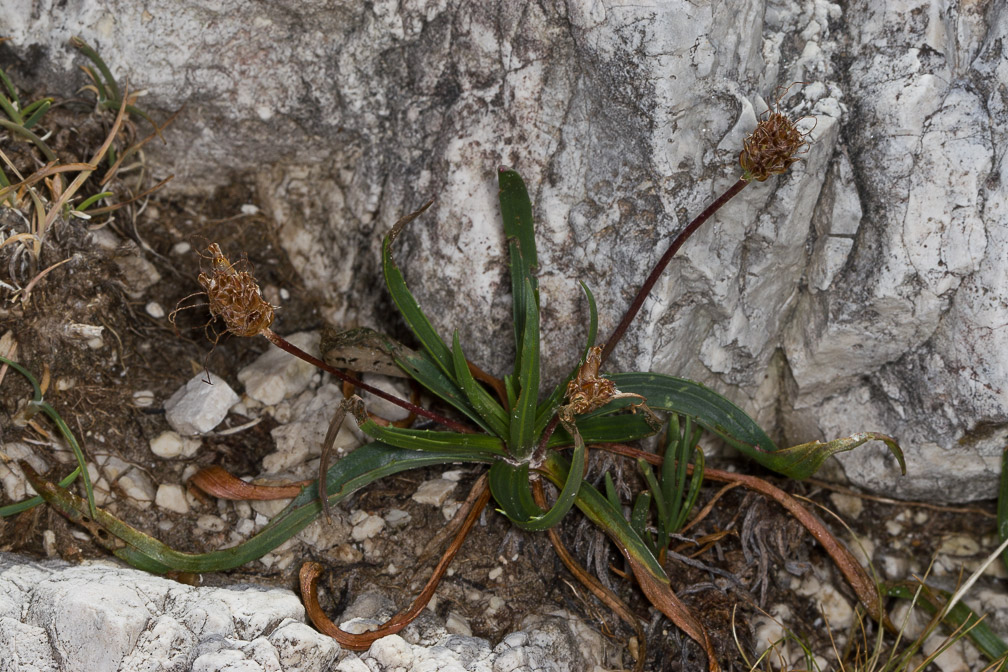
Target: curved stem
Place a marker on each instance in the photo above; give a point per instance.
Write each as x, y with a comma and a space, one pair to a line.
311, 571
649, 284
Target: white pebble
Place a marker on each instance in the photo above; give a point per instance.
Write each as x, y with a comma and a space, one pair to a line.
210, 523
155, 310
181, 248
171, 496
456, 624
167, 445
367, 528
198, 407
434, 491
143, 398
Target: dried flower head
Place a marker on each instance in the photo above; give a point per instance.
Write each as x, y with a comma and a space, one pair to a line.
772, 147
234, 296
588, 390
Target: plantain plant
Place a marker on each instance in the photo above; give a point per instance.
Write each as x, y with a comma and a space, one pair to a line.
523, 435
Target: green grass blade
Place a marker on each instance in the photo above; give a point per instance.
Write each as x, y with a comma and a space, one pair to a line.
91, 200
421, 367
961, 616
523, 438
28, 135
11, 111
9, 85
720, 416
691, 496
34, 112
110, 81
407, 305
38, 403
519, 229
492, 413
365, 465
610, 518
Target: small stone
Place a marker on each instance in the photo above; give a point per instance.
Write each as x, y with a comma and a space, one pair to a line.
454, 475
450, 508
138, 486
49, 543
211, 523
198, 407
171, 496
848, 506
397, 518
143, 398
383, 407
392, 651
959, 545
181, 248
276, 375
495, 573
434, 491
15, 485
167, 445
368, 527
155, 310
457, 624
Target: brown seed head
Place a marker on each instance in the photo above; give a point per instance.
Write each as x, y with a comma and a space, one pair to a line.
772, 147
234, 296
588, 390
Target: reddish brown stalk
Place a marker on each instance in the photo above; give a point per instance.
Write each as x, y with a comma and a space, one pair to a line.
311, 571
659, 268
606, 596
287, 346
220, 483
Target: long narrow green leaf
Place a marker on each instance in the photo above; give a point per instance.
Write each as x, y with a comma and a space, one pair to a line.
421, 367
605, 429
483, 446
365, 465
11, 111
522, 435
110, 81
608, 517
34, 112
546, 409
489, 409
519, 229
9, 85
720, 416
407, 305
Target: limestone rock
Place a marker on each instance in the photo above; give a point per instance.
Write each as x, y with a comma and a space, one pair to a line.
197, 407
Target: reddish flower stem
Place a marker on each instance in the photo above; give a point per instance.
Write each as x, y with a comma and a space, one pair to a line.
287, 346
649, 284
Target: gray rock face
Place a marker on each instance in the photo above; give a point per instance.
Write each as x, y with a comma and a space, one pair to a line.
865, 290
100, 617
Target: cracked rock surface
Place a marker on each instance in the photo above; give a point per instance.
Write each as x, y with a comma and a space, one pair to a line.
102, 617
865, 290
